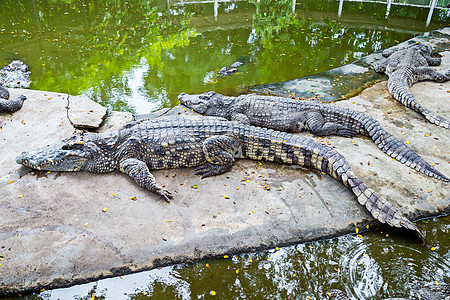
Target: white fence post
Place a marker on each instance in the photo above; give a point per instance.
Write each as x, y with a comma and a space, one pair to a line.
341, 3
388, 8
430, 13
216, 9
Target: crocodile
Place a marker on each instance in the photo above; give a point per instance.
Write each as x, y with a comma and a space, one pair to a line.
10, 105
290, 115
427, 292
233, 68
211, 145
15, 75
407, 66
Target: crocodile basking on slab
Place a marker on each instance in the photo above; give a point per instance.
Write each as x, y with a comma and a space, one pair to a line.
286, 114
211, 145
407, 66
10, 105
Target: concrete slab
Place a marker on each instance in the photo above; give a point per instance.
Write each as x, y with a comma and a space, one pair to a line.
84, 113
59, 229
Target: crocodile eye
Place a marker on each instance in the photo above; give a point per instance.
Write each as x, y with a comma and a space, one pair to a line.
77, 145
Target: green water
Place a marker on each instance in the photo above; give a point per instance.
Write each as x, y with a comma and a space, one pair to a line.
139, 55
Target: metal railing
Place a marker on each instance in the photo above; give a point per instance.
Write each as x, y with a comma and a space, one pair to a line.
432, 4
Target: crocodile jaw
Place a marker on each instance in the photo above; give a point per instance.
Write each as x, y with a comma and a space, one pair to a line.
53, 158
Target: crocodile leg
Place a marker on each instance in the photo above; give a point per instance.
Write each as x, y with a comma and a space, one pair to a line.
318, 126
139, 171
433, 61
218, 152
425, 73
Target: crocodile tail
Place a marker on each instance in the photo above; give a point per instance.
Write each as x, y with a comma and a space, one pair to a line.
402, 153
283, 147
12, 104
335, 164
403, 95
398, 150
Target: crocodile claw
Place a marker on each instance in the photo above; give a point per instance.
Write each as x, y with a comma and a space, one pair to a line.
165, 194
208, 170
346, 132
205, 171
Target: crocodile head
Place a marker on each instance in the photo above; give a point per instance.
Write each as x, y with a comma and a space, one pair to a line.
424, 49
210, 103
69, 155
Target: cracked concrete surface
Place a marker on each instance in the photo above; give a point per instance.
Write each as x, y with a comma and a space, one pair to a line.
60, 228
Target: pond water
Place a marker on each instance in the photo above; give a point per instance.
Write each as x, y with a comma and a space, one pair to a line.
138, 56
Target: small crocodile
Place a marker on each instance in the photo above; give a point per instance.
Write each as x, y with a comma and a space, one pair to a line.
227, 71
427, 292
10, 105
286, 114
209, 144
15, 75
406, 67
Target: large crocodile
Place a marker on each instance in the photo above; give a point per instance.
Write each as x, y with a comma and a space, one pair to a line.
10, 105
209, 144
427, 292
15, 75
407, 66
286, 114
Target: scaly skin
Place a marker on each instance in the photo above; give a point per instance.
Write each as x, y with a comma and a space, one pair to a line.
15, 75
406, 67
10, 105
338, 295
209, 144
291, 115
